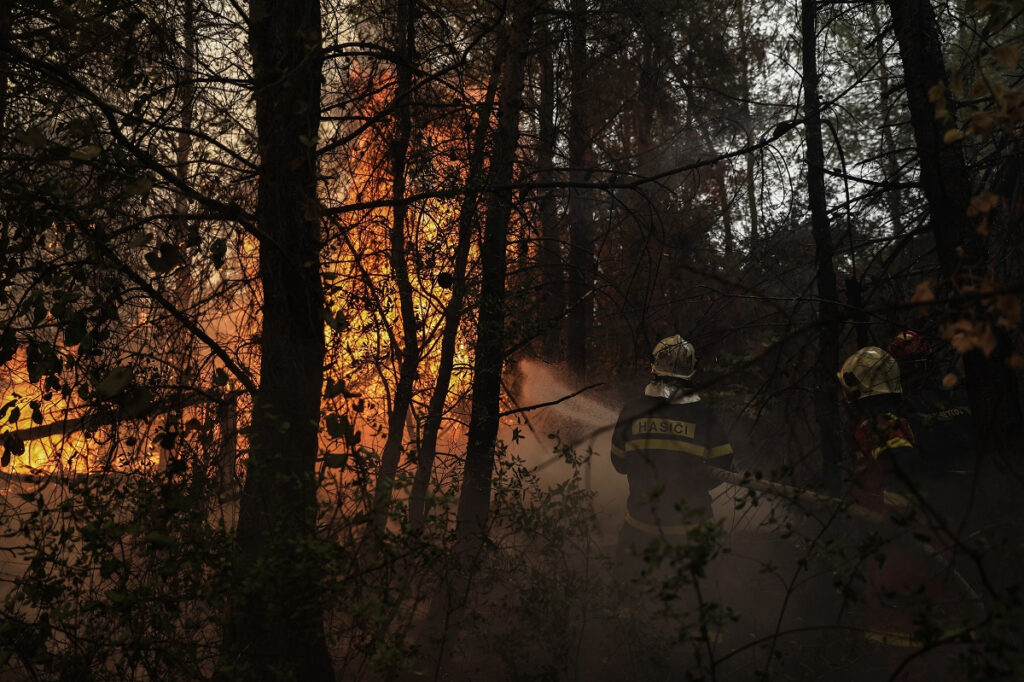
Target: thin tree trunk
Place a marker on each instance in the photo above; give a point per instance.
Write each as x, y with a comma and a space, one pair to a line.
889, 162
826, 393
726, 207
276, 630
409, 368
946, 182
453, 309
750, 160
227, 453
750, 177
6, 19
475, 500
179, 342
187, 93
552, 293
580, 255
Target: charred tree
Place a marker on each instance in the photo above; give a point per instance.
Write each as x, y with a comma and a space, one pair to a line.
410, 355
474, 501
276, 630
826, 396
946, 183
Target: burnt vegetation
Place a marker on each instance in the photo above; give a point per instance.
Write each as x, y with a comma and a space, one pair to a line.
315, 319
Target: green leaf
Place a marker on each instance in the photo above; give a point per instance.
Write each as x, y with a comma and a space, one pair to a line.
155, 263
165, 258
8, 345
109, 566
337, 425
42, 360
141, 239
218, 249
115, 382
333, 460
160, 540
137, 401
74, 329
33, 137
166, 440
13, 445
139, 186
87, 153
335, 388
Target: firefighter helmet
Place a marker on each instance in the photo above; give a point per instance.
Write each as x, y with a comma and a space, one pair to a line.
907, 345
870, 371
674, 357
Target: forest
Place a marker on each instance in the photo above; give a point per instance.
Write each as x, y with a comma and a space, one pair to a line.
318, 319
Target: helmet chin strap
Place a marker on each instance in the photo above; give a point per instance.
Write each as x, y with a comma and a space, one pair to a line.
671, 389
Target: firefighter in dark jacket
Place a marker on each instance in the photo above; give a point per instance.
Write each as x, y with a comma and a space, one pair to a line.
663, 442
889, 472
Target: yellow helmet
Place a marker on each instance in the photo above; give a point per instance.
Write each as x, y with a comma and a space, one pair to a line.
674, 357
870, 371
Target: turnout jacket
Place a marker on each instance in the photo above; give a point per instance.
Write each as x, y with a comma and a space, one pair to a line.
664, 447
885, 444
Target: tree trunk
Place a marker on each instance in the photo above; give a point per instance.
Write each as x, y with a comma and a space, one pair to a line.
580, 254
826, 394
475, 500
6, 19
227, 453
750, 160
409, 368
453, 310
944, 177
276, 631
187, 93
552, 292
946, 182
726, 208
180, 342
889, 162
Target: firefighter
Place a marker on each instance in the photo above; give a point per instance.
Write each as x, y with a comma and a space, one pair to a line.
663, 442
941, 420
887, 456
889, 470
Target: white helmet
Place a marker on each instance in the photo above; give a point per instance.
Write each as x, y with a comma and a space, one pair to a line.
674, 357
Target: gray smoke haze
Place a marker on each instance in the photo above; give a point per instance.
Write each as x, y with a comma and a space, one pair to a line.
584, 422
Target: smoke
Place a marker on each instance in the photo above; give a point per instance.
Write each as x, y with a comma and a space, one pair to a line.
583, 422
